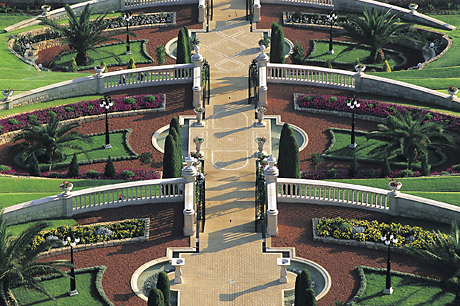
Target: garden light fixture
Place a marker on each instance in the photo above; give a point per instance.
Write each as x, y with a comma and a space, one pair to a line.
332, 18
73, 285
127, 17
388, 239
353, 103
106, 103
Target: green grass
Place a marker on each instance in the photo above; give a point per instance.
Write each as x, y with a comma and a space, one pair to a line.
443, 188
322, 48
408, 291
16, 190
100, 55
59, 287
17, 229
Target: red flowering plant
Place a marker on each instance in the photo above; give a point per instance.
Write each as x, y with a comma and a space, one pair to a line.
394, 183
452, 88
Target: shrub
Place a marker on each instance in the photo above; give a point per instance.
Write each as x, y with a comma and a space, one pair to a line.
13, 121
332, 99
129, 101
277, 44
131, 64
4, 168
183, 49
371, 105
307, 98
73, 65
386, 66
169, 157
332, 173
164, 287
32, 117
297, 54
145, 158
109, 170
386, 168
302, 286
160, 55
353, 169
69, 109
54, 174
155, 298
105, 66
407, 173
74, 170
150, 98
425, 167
34, 169
127, 174
92, 174
288, 160
1, 128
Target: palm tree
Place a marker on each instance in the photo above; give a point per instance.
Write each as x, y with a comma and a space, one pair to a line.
443, 253
82, 34
377, 29
48, 141
409, 135
18, 265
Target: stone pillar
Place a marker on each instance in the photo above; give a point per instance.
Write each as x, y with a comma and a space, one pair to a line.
359, 78
262, 60
393, 203
189, 173
271, 173
67, 207
201, 10
256, 10
197, 61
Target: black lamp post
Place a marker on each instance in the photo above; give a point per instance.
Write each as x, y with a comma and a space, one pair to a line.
353, 103
388, 238
332, 18
73, 285
106, 103
127, 16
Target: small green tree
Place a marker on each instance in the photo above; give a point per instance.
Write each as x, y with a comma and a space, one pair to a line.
146, 158
155, 298
169, 158
73, 65
109, 170
277, 44
289, 167
187, 38
34, 169
386, 168
105, 66
177, 153
175, 125
315, 159
297, 54
353, 169
160, 55
183, 49
74, 169
164, 287
302, 284
310, 297
131, 64
282, 145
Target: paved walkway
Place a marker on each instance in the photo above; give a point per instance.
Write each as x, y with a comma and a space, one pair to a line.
230, 268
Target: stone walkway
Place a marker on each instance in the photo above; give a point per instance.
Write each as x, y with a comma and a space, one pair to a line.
230, 268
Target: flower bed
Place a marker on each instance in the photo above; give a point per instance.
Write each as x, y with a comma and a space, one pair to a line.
83, 108
371, 108
94, 233
365, 230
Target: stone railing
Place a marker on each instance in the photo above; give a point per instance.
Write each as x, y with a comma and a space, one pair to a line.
105, 83
136, 4
359, 82
310, 75
311, 3
284, 190
92, 199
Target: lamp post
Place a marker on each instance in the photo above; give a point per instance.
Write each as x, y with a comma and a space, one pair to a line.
332, 18
73, 285
388, 238
106, 103
353, 103
127, 16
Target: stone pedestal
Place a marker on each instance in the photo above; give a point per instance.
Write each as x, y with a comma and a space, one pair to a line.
178, 263
283, 263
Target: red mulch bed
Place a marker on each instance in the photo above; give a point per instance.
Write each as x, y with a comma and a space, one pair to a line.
295, 229
166, 223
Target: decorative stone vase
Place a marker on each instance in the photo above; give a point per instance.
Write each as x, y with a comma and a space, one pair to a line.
198, 142
395, 189
7, 94
360, 68
413, 7
260, 146
99, 70
45, 8
66, 190
452, 93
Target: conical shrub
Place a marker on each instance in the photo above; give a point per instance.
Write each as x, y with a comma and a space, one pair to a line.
109, 170
155, 298
74, 169
169, 158
164, 286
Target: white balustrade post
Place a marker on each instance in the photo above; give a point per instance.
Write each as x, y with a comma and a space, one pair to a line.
262, 60
393, 203
271, 173
66, 205
189, 173
256, 11
197, 60
201, 10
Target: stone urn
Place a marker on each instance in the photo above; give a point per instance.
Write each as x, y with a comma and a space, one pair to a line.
260, 116
413, 7
452, 91
360, 68
45, 8
7, 93
394, 186
99, 70
260, 143
66, 187
199, 115
198, 141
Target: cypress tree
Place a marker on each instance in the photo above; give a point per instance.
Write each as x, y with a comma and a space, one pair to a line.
183, 54
155, 298
109, 170
74, 170
282, 147
277, 44
177, 153
386, 169
302, 284
353, 170
290, 167
169, 158
174, 124
163, 286
187, 38
309, 297
34, 169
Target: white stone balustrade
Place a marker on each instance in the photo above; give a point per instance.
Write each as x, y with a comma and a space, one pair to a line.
311, 3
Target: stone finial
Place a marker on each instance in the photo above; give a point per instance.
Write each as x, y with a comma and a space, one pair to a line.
262, 57
197, 57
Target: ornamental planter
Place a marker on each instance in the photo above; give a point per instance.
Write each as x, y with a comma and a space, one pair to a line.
413, 7
7, 94
360, 68
45, 8
452, 93
99, 71
260, 116
199, 116
198, 142
66, 190
395, 189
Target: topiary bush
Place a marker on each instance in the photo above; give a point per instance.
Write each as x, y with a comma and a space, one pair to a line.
169, 158
155, 298
92, 174
145, 158
183, 48
353, 169
150, 98
4, 168
127, 174
32, 117
129, 100
74, 169
69, 109
131, 64
277, 51
109, 170
164, 286
160, 55
407, 173
13, 121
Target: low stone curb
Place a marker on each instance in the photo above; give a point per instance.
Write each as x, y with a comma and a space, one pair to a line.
102, 244
354, 243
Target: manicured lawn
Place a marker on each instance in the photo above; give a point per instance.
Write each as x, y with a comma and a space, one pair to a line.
442, 188
408, 291
15, 190
321, 49
17, 229
100, 54
59, 287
